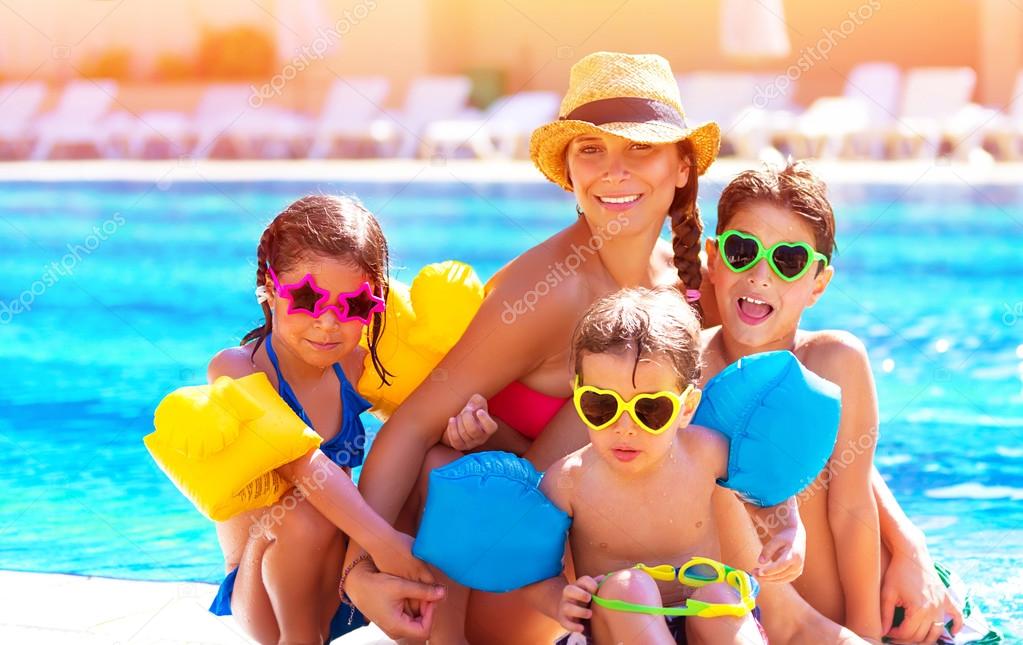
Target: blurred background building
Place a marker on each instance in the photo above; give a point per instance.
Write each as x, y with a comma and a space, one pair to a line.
778, 56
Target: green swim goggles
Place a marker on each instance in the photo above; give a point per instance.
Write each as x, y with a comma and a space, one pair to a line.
789, 260
698, 572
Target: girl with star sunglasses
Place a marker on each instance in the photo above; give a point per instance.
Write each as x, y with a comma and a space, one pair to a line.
321, 280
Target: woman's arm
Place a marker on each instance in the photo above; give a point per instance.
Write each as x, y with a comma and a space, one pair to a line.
852, 512
898, 533
910, 580
496, 349
564, 433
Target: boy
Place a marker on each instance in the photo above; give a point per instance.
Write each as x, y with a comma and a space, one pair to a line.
641, 490
770, 261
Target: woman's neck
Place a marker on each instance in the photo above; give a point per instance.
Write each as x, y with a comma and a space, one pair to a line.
732, 349
626, 258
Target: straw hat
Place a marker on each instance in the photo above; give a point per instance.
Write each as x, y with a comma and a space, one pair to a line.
631, 96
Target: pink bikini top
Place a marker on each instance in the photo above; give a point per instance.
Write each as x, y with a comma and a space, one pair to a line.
525, 409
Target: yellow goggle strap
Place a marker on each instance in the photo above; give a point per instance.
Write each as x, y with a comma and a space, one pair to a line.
735, 578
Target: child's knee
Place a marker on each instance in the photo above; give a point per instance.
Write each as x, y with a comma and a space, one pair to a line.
719, 593
630, 585
722, 627
302, 524
437, 457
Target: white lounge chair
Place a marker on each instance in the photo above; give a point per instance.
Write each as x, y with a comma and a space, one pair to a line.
501, 131
430, 98
221, 109
222, 105
963, 134
932, 96
19, 102
851, 123
748, 107
76, 119
347, 117
1005, 132
879, 86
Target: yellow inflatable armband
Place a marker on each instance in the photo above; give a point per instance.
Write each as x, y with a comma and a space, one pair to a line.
221, 444
445, 297
423, 324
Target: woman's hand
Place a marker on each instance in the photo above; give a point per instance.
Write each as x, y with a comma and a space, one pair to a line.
471, 427
912, 583
575, 604
386, 600
395, 557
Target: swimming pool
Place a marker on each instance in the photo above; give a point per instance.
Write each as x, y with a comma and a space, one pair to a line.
129, 288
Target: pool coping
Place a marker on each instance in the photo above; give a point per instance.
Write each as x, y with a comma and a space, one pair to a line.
55, 607
911, 172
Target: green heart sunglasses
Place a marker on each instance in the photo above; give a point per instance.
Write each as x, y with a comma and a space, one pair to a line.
789, 260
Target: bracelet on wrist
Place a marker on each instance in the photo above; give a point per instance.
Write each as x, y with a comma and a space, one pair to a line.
344, 577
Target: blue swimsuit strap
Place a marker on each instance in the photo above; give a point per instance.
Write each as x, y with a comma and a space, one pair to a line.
284, 388
345, 448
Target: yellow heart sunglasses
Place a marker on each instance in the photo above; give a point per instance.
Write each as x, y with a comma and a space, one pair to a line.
654, 412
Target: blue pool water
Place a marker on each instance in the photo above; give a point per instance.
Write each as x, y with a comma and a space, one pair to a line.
149, 281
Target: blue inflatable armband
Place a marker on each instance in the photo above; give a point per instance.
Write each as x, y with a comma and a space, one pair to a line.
487, 526
781, 421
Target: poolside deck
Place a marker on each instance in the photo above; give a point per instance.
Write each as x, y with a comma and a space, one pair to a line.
54, 608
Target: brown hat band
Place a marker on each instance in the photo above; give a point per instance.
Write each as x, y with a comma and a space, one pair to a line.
625, 109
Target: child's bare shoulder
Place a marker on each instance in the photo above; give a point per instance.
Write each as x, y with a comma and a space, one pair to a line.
835, 354
709, 337
712, 356
234, 362
562, 477
707, 447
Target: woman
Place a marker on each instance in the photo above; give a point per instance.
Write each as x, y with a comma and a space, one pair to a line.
623, 149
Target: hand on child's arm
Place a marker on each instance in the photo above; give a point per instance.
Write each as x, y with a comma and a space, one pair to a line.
575, 604
387, 601
471, 427
782, 557
912, 583
394, 556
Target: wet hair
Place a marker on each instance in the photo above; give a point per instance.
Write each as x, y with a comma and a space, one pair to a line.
650, 322
687, 227
795, 188
336, 227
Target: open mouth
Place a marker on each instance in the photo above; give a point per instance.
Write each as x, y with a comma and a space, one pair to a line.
752, 310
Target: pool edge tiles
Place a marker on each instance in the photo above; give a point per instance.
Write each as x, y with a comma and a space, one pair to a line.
52, 607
